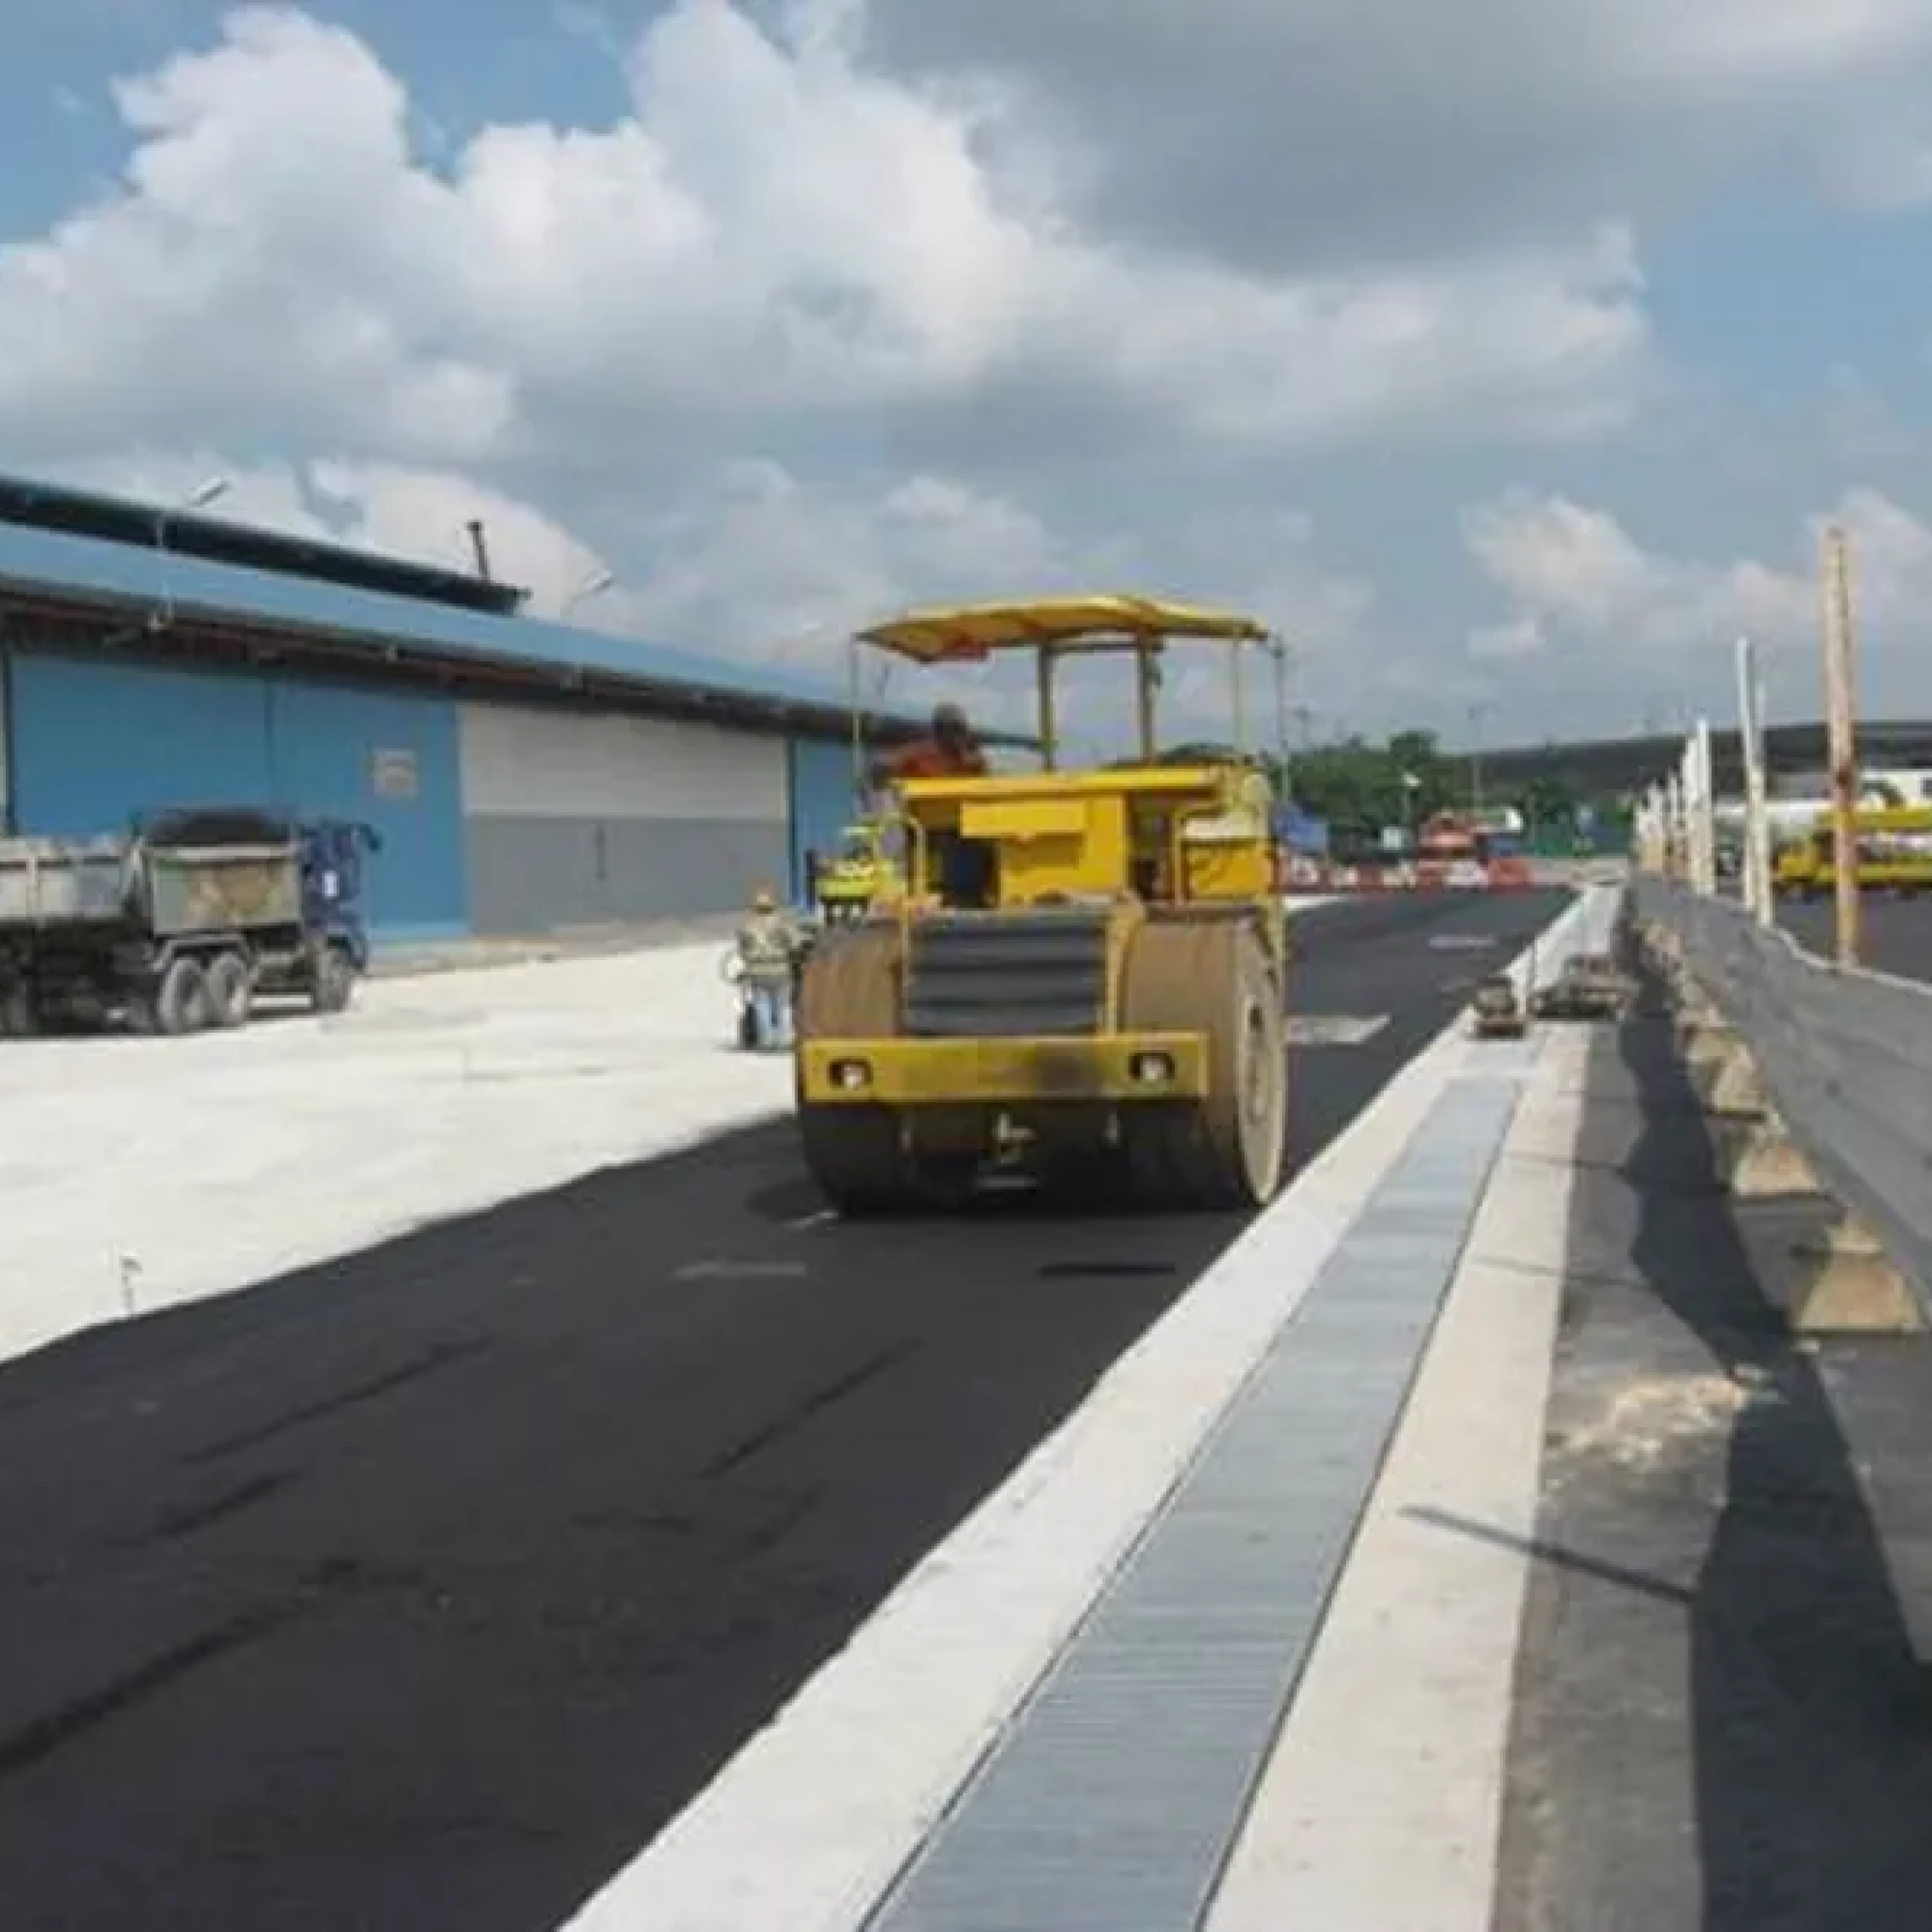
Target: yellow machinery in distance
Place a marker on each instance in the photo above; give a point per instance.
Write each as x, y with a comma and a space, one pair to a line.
863, 873
1084, 976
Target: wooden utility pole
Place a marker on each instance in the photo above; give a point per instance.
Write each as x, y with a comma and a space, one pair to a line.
1841, 662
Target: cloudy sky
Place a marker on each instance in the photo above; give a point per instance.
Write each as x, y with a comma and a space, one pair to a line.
1508, 355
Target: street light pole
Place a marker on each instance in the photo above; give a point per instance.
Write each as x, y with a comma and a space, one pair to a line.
1278, 646
1477, 713
198, 498
1757, 867
1840, 662
593, 585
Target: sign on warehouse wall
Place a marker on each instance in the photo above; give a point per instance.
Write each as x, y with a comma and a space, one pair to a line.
392, 774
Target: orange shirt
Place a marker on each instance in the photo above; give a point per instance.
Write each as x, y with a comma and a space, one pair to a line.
928, 758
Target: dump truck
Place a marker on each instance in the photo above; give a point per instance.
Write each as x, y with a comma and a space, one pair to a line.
182, 923
1083, 979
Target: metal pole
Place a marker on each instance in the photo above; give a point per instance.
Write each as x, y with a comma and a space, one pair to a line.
1280, 647
1044, 668
1687, 785
1477, 714
1757, 855
1740, 660
1685, 793
479, 547
1686, 811
1147, 680
1706, 828
1840, 661
862, 790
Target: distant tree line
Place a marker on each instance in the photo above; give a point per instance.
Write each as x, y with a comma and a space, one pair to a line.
1405, 779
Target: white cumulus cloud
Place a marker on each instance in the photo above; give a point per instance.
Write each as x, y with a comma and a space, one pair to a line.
772, 229
1612, 614
1289, 131
852, 301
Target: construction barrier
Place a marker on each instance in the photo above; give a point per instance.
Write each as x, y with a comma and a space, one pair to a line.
1301, 874
1840, 1059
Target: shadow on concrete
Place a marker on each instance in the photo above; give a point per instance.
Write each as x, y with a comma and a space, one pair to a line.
1811, 1736
1542, 1549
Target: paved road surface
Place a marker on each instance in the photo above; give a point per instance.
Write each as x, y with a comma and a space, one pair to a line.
1895, 936
421, 1590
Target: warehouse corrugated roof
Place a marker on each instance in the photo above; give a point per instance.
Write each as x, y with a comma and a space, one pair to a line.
64, 566
27, 503
74, 547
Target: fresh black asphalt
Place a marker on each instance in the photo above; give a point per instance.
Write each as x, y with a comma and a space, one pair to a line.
421, 1589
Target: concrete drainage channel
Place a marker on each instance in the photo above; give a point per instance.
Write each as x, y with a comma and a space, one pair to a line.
1144, 1739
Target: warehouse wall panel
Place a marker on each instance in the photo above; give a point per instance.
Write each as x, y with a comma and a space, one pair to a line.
97, 741
6, 740
390, 759
531, 875
574, 818
522, 762
822, 800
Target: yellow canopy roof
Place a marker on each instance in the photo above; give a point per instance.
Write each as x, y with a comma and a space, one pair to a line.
969, 634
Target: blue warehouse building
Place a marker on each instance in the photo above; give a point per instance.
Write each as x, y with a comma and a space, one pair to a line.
524, 776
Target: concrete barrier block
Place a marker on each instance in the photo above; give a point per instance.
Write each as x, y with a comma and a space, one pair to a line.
1851, 1287
1720, 1069
1759, 1161
1695, 1005
1736, 1091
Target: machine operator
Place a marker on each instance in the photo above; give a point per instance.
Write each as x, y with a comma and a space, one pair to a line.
950, 749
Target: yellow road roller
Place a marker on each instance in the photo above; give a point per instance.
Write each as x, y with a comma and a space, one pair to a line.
1083, 979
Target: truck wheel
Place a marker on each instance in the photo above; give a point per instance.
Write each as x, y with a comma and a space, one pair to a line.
334, 985
231, 990
181, 1001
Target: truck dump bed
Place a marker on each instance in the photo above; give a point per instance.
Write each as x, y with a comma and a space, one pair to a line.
52, 882
164, 891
